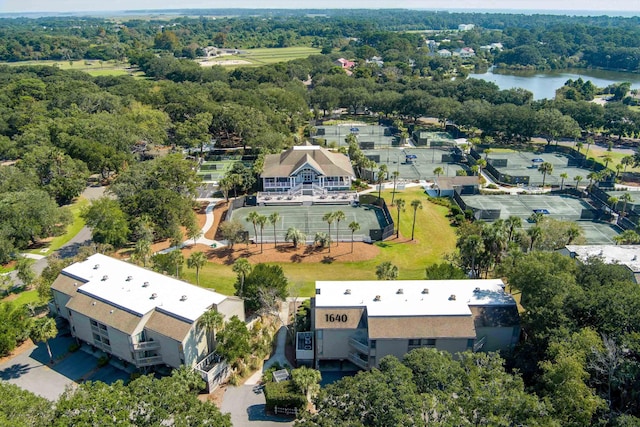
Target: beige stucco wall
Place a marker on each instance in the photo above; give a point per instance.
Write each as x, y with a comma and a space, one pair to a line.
231, 307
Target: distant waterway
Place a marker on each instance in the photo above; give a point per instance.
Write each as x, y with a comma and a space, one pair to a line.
543, 84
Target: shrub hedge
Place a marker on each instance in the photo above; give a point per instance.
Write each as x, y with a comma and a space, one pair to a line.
283, 394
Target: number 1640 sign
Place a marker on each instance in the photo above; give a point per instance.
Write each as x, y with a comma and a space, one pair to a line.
332, 318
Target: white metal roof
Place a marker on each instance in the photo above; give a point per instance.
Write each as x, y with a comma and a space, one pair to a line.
628, 255
416, 298
139, 290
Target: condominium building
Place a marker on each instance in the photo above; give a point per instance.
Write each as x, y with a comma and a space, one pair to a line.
363, 321
137, 315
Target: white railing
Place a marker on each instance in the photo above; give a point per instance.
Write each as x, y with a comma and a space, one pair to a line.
480, 343
148, 361
146, 345
359, 345
358, 361
285, 411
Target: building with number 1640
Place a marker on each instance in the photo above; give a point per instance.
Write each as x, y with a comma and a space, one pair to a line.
363, 321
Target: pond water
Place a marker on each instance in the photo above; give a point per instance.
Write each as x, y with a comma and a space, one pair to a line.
543, 84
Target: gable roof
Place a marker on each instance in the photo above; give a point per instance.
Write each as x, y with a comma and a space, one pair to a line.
290, 161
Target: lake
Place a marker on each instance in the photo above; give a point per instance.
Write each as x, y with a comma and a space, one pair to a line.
543, 84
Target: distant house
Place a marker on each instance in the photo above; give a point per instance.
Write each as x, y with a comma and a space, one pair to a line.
627, 255
432, 45
444, 53
375, 60
465, 52
466, 27
344, 63
492, 46
307, 167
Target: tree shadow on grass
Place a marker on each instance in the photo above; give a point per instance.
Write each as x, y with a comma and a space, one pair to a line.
328, 259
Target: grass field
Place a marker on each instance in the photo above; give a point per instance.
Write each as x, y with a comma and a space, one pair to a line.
73, 229
257, 57
434, 237
92, 67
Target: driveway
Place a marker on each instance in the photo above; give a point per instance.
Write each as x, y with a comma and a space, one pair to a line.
246, 405
32, 371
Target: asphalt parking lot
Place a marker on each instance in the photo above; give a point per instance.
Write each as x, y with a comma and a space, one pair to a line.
32, 371
205, 191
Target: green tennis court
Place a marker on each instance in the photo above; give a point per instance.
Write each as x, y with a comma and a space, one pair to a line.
308, 219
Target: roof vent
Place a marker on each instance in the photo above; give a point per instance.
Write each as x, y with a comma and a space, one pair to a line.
476, 290
93, 303
105, 277
377, 298
97, 266
154, 296
111, 312
347, 292
601, 252
145, 284
183, 298
635, 258
75, 283
400, 291
425, 291
129, 278
452, 297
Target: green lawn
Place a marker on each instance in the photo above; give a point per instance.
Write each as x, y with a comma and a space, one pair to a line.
434, 237
73, 229
264, 56
26, 297
92, 67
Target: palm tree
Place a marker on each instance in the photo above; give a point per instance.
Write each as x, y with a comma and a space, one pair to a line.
253, 219
387, 271
545, 168
211, 321
295, 236
415, 204
619, 168
273, 220
481, 165
626, 197
577, 179
176, 258
626, 161
307, 380
607, 158
242, 268
142, 251
438, 171
511, 224
197, 260
534, 234
338, 216
43, 330
382, 174
400, 206
627, 237
612, 202
261, 221
322, 239
579, 146
470, 248
593, 176
395, 174
329, 217
573, 232
353, 226
564, 176
486, 153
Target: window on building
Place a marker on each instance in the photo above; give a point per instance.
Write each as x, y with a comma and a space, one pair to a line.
470, 342
103, 327
429, 342
97, 338
106, 341
94, 323
414, 343
372, 343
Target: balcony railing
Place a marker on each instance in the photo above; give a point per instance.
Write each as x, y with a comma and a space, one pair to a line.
480, 343
358, 361
359, 345
148, 361
146, 345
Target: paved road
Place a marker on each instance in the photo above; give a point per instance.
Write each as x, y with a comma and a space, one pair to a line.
32, 371
246, 403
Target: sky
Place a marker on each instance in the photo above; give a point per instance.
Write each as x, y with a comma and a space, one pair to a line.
11, 6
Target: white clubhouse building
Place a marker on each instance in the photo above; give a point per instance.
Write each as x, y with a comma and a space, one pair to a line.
363, 321
307, 169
